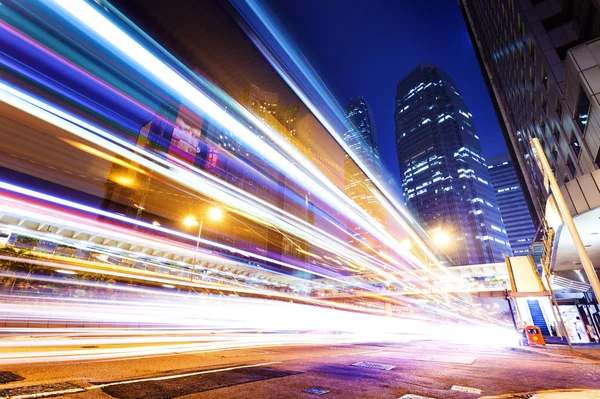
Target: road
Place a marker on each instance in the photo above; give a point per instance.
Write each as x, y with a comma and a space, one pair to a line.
424, 368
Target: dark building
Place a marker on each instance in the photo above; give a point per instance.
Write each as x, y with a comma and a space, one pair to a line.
515, 214
445, 180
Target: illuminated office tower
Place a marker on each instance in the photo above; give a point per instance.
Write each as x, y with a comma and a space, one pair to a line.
444, 176
515, 214
361, 136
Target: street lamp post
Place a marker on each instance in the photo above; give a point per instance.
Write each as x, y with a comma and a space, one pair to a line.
214, 214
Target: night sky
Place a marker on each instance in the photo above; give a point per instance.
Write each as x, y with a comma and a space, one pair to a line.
364, 48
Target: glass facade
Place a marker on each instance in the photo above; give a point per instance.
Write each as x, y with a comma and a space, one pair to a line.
514, 210
444, 176
523, 49
361, 137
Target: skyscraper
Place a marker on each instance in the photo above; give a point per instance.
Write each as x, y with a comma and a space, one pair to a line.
515, 214
537, 89
361, 136
444, 177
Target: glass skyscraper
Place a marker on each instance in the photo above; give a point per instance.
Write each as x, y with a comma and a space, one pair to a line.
444, 176
514, 210
361, 136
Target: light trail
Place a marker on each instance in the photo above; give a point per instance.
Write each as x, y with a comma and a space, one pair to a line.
200, 181
328, 255
297, 62
158, 326
376, 269
136, 237
108, 33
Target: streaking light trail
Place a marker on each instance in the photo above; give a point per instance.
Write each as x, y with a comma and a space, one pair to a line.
116, 152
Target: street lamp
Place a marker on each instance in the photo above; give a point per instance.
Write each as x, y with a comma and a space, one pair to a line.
214, 214
441, 238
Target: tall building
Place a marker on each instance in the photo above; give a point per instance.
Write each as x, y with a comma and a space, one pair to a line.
444, 176
361, 136
515, 214
523, 50
541, 63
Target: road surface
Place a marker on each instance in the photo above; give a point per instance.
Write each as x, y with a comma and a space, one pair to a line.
425, 368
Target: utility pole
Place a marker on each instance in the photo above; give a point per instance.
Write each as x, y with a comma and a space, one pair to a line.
510, 309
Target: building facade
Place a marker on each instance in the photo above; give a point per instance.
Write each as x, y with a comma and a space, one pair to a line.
444, 176
541, 62
523, 48
515, 214
361, 136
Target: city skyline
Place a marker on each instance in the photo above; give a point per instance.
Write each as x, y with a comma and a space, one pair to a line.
283, 199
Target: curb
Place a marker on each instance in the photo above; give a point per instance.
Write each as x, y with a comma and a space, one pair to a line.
532, 394
547, 352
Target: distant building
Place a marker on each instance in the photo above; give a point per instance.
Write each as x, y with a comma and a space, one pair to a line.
515, 214
361, 136
261, 102
444, 176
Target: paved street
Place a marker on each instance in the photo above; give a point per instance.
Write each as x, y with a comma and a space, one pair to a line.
392, 370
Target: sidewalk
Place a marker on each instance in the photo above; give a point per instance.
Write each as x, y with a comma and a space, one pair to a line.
595, 394
586, 351
554, 394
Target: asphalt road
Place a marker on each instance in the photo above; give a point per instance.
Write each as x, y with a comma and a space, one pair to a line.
429, 369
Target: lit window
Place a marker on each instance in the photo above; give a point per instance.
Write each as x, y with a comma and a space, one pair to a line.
575, 146
583, 110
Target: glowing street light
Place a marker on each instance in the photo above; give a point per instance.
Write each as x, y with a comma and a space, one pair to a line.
214, 214
441, 238
190, 221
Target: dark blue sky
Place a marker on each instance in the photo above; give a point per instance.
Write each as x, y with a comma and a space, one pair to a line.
364, 47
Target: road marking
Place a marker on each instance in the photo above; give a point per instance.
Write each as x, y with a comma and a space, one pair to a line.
317, 391
465, 389
167, 377
411, 396
44, 394
377, 366
172, 377
427, 358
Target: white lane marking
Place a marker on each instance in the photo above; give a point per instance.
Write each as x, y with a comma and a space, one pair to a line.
167, 377
171, 377
51, 393
465, 389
